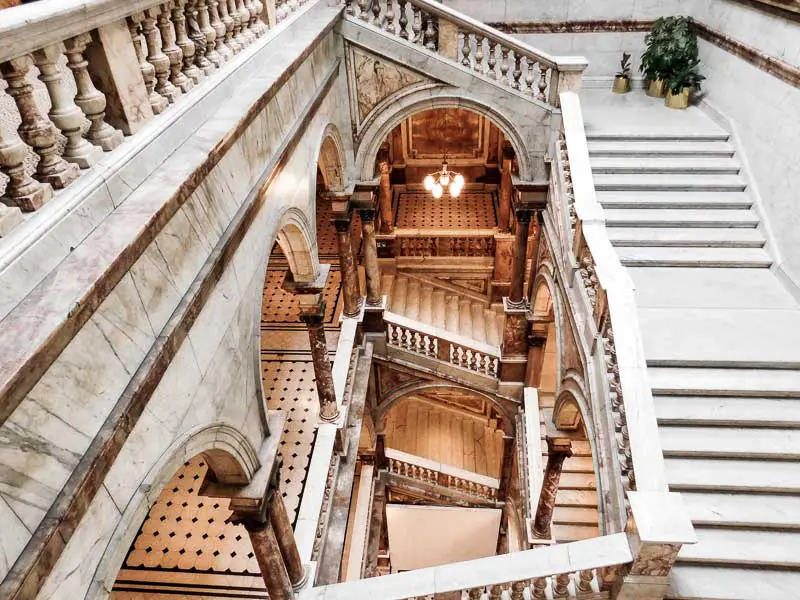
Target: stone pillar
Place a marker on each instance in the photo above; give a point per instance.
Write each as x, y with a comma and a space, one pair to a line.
558, 449
506, 187
350, 288
312, 313
537, 340
385, 194
279, 519
268, 555
372, 271
516, 297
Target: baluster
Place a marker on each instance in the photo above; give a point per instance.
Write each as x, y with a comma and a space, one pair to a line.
184, 43
157, 102
539, 587
475, 593
238, 35
22, 191
478, 53
198, 37
227, 19
465, 50
173, 52
376, 13
431, 42
504, 65
416, 24
584, 582
64, 113
244, 18
350, 8
542, 82
518, 590
222, 50
389, 23
159, 60
492, 59
517, 70
257, 24
560, 584
362, 14
35, 130
210, 52
496, 592
403, 19
529, 78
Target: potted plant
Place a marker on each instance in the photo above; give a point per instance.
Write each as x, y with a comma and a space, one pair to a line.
622, 81
654, 64
681, 81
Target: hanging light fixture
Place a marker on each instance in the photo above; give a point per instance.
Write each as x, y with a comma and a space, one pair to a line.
436, 182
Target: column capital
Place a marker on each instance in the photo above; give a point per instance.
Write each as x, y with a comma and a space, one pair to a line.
342, 222
313, 313
291, 285
559, 445
530, 195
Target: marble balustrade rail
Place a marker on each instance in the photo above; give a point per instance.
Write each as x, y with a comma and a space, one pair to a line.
473, 45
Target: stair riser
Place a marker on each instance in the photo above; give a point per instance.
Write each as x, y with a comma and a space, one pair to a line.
698, 265
658, 137
685, 244
665, 187
665, 170
634, 153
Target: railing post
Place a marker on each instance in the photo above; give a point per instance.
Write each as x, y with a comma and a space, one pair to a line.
558, 449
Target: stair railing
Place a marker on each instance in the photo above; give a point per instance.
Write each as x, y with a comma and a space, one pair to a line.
431, 472
434, 342
438, 242
477, 47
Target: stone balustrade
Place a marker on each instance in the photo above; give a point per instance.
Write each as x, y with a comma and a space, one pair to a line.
438, 242
107, 68
435, 473
481, 49
433, 342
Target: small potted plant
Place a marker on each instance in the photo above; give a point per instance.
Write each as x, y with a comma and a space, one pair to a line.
655, 59
622, 81
682, 80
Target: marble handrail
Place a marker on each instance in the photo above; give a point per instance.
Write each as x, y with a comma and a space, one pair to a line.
612, 308
439, 467
583, 569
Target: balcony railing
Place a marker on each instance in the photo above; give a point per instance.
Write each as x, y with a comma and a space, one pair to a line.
456, 243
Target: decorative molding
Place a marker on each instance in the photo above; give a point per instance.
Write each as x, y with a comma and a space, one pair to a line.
593, 26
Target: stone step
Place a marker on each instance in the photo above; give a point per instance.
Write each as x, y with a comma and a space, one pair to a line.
746, 258
478, 324
573, 533
691, 165
656, 217
426, 304
728, 412
661, 148
452, 313
662, 136
740, 547
387, 283
568, 515
576, 498
465, 318
489, 318
725, 475
439, 309
753, 511
689, 381
575, 464
398, 304
698, 582
691, 237
576, 481
675, 200
730, 442
650, 183
412, 300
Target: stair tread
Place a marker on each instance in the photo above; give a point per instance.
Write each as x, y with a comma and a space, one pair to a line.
639, 256
721, 382
686, 237
726, 411
664, 164
709, 474
637, 136
733, 442
616, 217
675, 200
659, 147
576, 498
652, 182
573, 533
704, 582
570, 515
755, 548
743, 510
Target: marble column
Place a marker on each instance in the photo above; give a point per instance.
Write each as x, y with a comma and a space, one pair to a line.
385, 197
279, 519
516, 296
270, 561
506, 187
350, 288
371, 268
313, 315
558, 449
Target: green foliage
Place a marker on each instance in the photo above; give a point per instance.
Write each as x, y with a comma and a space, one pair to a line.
625, 66
671, 52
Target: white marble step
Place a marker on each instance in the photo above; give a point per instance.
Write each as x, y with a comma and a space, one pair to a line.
675, 200
573, 533
646, 217
656, 182
465, 318
439, 309
735, 237
478, 324
412, 300
738, 547
691, 165
728, 475
754, 511
398, 302
724, 382
698, 582
754, 258
644, 136
730, 442
661, 148
727, 411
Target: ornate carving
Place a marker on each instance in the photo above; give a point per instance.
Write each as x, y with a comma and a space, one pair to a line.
568, 188
376, 79
655, 560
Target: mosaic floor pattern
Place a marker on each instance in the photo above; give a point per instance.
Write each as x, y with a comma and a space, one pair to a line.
471, 210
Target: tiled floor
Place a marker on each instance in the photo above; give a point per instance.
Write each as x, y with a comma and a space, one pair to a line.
471, 210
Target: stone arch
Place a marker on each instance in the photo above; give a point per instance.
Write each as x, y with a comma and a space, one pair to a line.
547, 313
570, 410
331, 160
416, 99
230, 456
295, 236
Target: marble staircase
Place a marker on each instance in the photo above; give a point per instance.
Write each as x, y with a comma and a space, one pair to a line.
720, 338
421, 300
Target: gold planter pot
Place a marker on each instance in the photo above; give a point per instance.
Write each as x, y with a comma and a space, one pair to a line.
657, 88
678, 101
622, 85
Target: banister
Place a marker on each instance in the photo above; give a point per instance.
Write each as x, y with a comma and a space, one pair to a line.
441, 334
427, 463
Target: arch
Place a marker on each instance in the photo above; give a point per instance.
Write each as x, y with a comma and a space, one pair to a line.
229, 455
331, 160
296, 239
416, 99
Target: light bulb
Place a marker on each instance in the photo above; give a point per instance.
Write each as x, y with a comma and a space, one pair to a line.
437, 190
429, 183
455, 190
459, 180
444, 179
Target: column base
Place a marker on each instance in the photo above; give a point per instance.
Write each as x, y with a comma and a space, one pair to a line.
373, 316
303, 580
359, 316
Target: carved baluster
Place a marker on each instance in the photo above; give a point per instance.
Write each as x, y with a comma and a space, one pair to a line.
256, 22
542, 82
197, 36
22, 191
389, 24
560, 585
227, 20
529, 78
184, 43
362, 10
496, 592
517, 70
157, 102
539, 587
492, 59
172, 51
64, 113
376, 13
238, 35
157, 58
35, 130
478, 53
431, 42
244, 18
416, 25
504, 65
403, 19
222, 50
350, 8
466, 50
475, 593
207, 29
518, 590
584, 582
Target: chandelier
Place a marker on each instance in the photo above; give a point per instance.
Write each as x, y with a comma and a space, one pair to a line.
438, 181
